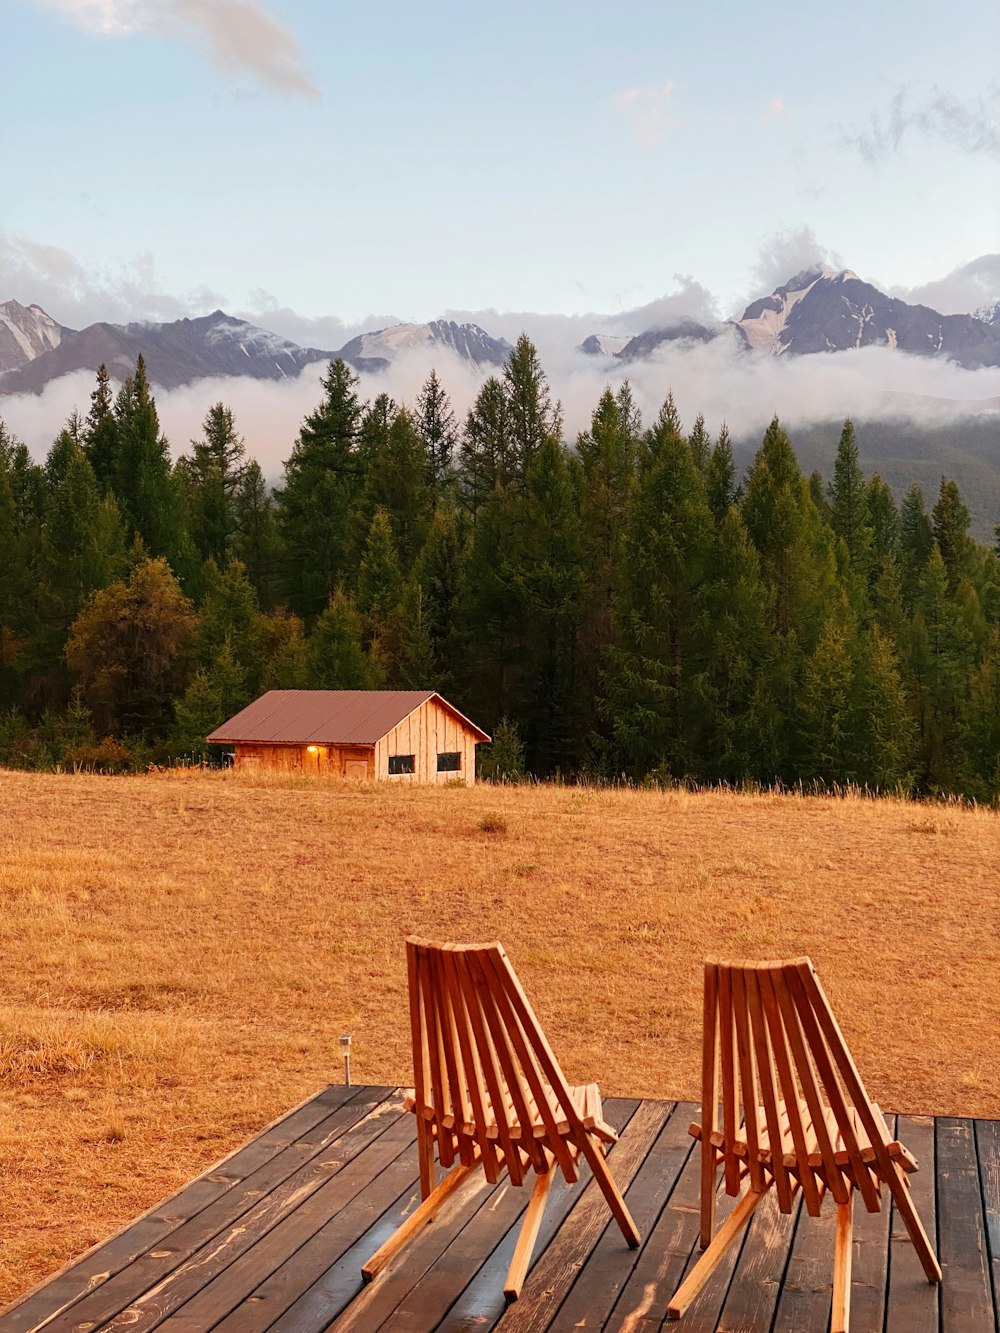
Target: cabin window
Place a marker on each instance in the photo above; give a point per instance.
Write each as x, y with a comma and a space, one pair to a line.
450, 762
402, 763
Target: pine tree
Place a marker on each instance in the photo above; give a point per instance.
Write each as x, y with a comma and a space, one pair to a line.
657, 661
16, 578
442, 573
216, 692
849, 497
720, 477
100, 432
916, 541
531, 416
416, 668
487, 460
380, 583
316, 504
84, 543
950, 525
280, 658
883, 522
793, 542
745, 737
143, 480
255, 540
396, 481
337, 657
825, 708
608, 456
214, 473
544, 569
228, 614
939, 661
701, 445
981, 723
884, 757
435, 422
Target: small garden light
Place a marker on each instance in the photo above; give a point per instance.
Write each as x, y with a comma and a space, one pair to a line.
345, 1046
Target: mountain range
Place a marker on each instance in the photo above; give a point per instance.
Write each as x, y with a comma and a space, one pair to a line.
823, 310
34, 349
820, 310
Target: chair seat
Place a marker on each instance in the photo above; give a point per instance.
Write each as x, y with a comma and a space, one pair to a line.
814, 1157
586, 1100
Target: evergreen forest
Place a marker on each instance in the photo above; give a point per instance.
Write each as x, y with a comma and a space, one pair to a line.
623, 606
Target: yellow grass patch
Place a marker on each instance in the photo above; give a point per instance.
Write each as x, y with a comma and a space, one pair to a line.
182, 951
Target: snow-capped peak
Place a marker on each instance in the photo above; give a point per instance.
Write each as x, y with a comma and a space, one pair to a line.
764, 320
25, 332
989, 314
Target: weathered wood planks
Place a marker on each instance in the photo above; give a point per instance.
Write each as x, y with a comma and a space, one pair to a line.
273, 1238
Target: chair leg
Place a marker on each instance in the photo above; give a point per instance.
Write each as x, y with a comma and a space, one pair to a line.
619, 1208
529, 1234
425, 1155
900, 1189
709, 1182
842, 1247
424, 1213
709, 1261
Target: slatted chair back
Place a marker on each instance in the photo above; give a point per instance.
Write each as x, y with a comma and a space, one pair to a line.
484, 1075
779, 1082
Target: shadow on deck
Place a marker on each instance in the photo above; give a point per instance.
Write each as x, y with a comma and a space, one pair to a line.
273, 1238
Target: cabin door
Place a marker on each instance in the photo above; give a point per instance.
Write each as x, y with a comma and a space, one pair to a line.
356, 770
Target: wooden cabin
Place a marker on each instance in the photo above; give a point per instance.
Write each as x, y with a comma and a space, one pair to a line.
366, 735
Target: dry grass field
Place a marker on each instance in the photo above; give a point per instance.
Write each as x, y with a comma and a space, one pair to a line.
182, 951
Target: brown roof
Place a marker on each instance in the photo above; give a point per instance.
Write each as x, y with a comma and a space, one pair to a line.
328, 717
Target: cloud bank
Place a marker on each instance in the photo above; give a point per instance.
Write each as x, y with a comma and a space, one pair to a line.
239, 37
744, 391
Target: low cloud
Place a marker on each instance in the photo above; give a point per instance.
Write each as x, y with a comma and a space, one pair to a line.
782, 255
646, 110
32, 272
239, 37
961, 291
971, 125
742, 390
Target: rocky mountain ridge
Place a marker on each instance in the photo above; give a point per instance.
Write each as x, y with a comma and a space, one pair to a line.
818, 310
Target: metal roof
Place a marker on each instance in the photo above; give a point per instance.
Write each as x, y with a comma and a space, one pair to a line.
328, 717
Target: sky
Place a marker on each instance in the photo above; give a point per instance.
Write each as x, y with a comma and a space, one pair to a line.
564, 167
321, 161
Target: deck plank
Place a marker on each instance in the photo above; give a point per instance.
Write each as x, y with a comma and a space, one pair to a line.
236, 1282
102, 1307
600, 1283
663, 1258
988, 1154
756, 1283
966, 1289
272, 1239
807, 1290
912, 1303
107, 1258
559, 1265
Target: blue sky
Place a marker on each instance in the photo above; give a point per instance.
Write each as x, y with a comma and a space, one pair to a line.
162, 157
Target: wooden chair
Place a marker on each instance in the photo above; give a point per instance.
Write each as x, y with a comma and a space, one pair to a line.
489, 1093
807, 1122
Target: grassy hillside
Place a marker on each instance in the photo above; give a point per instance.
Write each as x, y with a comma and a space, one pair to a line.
181, 953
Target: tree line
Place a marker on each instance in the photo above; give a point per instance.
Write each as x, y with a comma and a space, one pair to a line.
623, 605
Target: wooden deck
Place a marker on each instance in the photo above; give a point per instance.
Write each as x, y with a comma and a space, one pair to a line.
274, 1238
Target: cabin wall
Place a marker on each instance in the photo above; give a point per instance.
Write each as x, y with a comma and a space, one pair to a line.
356, 762
430, 730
